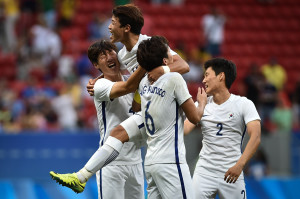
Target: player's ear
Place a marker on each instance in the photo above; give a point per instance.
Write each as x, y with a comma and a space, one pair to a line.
127, 28
165, 61
222, 76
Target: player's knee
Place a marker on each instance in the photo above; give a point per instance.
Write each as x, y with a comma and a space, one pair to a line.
119, 133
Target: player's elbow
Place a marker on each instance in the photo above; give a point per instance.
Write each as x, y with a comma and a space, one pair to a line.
185, 68
195, 119
256, 138
193, 116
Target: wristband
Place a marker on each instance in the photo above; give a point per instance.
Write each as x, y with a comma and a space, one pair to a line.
166, 69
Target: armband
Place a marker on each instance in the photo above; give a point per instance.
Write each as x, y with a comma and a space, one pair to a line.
137, 97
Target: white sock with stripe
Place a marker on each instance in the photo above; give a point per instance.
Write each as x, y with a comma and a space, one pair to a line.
103, 156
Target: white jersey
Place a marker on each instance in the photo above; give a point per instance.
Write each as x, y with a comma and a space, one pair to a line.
110, 113
223, 128
128, 58
163, 118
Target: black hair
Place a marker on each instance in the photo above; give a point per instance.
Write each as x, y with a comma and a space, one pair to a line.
151, 52
223, 65
98, 48
131, 15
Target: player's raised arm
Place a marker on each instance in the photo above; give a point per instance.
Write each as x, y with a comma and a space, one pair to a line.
129, 86
188, 126
120, 88
202, 98
193, 113
179, 65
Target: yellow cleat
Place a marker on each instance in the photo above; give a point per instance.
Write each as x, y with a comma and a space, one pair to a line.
69, 180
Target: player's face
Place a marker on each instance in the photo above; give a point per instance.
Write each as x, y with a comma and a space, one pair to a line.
117, 33
108, 62
210, 81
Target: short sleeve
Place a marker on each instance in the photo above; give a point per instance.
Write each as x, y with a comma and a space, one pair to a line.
181, 91
172, 52
249, 111
102, 89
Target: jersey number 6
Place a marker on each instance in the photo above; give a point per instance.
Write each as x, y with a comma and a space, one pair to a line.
147, 118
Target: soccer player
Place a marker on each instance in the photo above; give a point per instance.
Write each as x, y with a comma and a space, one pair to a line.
224, 122
124, 177
126, 24
164, 101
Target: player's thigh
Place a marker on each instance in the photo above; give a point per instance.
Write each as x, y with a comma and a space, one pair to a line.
235, 190
205, 187
173, 180
134, 185
134, 127
152, 189
111, 182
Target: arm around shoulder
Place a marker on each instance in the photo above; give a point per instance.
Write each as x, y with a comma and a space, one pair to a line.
179, 65
129, 86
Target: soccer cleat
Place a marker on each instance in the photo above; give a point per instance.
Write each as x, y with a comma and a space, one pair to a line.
69, 180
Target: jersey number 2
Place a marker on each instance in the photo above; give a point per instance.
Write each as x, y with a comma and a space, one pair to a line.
220, 125
147, 118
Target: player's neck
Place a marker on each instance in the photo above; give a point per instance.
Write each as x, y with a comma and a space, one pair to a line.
130, 41
114, 77
221, 96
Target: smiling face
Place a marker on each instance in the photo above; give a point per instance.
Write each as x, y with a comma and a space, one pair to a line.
108, 63
117, 32
211, 81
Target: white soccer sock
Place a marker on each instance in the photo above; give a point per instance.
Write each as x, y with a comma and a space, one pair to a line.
84, 175
103, 156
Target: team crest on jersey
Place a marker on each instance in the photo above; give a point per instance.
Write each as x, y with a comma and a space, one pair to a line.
231, 115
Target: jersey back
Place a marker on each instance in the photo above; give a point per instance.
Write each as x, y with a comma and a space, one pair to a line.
163, 118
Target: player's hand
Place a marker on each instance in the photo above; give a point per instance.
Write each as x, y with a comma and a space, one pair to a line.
154, 74
90, 85
233, 173
201, 96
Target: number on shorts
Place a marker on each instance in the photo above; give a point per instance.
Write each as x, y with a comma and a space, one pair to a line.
220, 125
131, 111
244, 193
147, 118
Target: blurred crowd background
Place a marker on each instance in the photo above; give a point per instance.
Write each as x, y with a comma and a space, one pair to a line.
44, 66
